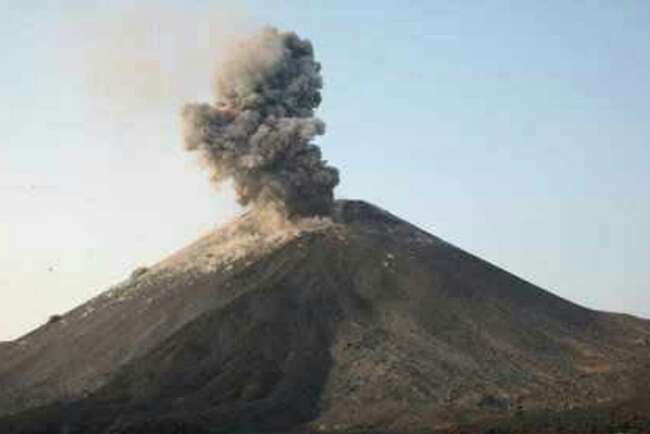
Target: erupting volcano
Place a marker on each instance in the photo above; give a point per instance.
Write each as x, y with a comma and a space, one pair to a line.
313, 314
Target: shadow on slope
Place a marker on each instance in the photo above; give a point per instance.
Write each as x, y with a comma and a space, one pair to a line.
260, 361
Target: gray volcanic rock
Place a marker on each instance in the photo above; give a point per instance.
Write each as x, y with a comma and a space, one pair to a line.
5, 348
360, 322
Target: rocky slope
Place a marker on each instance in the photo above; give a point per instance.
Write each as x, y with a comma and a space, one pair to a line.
360, 322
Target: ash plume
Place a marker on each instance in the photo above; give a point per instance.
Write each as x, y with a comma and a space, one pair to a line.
259, 132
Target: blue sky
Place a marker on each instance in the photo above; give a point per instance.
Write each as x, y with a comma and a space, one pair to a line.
516, 130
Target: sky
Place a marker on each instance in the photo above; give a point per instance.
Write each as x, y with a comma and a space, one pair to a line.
517, 131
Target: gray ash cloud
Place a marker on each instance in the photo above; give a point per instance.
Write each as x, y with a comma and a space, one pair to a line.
260, 130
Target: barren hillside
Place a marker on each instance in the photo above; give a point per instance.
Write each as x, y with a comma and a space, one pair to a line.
360, 322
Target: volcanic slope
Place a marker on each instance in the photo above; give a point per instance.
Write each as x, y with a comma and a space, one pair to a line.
361, 322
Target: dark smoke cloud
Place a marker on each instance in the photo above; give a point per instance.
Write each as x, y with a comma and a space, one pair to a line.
259, 132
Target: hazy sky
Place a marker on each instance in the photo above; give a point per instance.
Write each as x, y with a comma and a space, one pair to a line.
518, 131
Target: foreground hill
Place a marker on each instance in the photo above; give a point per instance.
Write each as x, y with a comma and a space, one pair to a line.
363, 322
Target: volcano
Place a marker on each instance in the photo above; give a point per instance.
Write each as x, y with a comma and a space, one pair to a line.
356, 323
